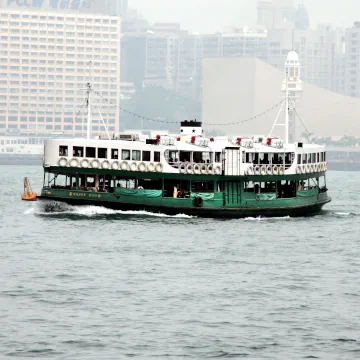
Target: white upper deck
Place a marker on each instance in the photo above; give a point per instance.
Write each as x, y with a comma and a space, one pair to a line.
190, 154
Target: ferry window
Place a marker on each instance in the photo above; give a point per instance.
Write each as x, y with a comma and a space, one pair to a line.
63, 150
78, 151
102, 153
218, 157
173, 156
146, 156
156, 156
114, 154
299, 159
313, 157
136, 154
202, 186
198, 157
248, 157
309, 158
185, 156
324, 156
304, 158
249, 186
90, 152
125, 155
318, 157
321, 157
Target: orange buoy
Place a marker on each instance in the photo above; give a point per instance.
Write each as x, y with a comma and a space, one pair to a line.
28, 194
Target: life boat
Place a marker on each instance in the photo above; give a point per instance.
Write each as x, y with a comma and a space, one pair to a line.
28, 194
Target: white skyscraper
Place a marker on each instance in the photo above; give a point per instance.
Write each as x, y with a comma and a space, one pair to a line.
46, 59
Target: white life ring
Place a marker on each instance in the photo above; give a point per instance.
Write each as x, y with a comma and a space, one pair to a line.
115, 165
263, 170
303, 169
218, 170
105, 164
182, 168
269, 170
197, 169
250, 171
298, 169
210, 169
281, 170
63, 162
311, 168
322, 167
74, 163
133, 166
189, 169
142, 167
276, 170
95, 164
159, 167
203, 169
124, 166
326, 166
307, 168
151, 167
84, 163
257, 170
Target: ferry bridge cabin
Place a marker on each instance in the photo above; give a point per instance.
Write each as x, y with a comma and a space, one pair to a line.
191, 174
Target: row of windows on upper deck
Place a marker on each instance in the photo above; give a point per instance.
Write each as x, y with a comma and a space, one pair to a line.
102, 153
311, 158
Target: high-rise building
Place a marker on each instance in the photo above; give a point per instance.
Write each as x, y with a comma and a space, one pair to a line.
46, 59
276, 14
107, 7
352, 61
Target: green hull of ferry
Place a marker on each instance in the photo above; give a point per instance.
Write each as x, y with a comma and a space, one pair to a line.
230, 198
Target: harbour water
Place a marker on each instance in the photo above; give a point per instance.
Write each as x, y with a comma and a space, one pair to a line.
90, 283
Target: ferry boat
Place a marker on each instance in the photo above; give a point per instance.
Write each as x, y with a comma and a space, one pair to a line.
237, 177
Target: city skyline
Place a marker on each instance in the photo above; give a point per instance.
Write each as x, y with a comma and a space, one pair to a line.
224, 14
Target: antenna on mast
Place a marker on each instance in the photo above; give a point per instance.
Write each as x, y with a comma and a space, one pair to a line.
88, 104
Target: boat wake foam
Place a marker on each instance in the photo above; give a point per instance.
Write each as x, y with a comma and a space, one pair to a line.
55, 209
259, 218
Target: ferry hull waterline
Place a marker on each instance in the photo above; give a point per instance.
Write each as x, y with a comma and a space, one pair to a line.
188, 173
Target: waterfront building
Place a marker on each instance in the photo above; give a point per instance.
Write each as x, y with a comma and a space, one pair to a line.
46, 59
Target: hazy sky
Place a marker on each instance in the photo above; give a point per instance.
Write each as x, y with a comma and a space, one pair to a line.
216, 15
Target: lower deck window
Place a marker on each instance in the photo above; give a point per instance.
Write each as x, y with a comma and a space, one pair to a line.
136, 155
202, 186
90, 152
146, 156
102, 153
156, 156
114, 154
125, 155
63, 150
78, 151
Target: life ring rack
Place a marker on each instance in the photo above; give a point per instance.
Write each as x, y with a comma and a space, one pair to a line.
197, 169
85, 163
115, 165
151, 167
182, 168
105, 165
124, 166
62, 162
74, 163
95, 164
159, 167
